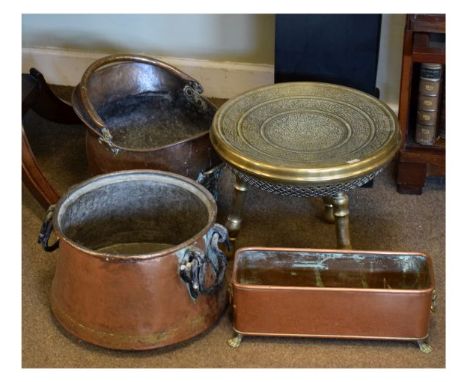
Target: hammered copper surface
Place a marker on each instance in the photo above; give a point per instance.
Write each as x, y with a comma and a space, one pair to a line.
143, 113
133, 305
122, 236
332, 293
305, 133
186, 158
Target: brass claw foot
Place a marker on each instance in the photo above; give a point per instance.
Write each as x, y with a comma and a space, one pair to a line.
424, 346
235, 341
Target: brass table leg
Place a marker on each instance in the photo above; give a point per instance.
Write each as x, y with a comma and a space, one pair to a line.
328, 212
341, 214
234, 219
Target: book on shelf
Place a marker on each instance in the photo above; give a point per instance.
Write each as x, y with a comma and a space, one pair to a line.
441, 131
427, 115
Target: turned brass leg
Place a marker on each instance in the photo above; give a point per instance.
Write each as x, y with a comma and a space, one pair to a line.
341, 214
235, 341
234, 220
328, 212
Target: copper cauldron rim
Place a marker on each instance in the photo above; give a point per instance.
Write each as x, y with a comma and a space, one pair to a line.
211, 207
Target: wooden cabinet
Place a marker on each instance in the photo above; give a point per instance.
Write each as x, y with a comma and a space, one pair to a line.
424, 42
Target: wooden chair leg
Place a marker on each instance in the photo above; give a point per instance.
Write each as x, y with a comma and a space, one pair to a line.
39, 97
33, 177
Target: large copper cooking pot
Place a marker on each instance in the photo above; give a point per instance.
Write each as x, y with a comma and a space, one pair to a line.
144, 113
138, 264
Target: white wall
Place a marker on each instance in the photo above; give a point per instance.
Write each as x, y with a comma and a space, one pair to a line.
239, 38
245, 41
390, 55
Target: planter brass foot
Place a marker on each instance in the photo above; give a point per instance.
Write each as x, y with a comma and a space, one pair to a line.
424, 346
235, 341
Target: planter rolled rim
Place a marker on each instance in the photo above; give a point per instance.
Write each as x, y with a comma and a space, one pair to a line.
211, 209
240, 285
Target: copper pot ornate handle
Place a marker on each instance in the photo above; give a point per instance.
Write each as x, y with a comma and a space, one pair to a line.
46, 230
192, 89
195, 263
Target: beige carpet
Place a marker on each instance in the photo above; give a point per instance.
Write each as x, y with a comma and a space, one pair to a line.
381, 219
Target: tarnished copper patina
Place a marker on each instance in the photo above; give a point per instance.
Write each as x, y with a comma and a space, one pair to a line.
138, 264
305, 139
326, 293
144, 113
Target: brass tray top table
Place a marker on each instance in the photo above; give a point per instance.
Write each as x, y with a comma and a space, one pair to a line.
305, 139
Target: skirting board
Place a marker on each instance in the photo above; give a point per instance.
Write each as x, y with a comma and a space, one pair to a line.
219, 79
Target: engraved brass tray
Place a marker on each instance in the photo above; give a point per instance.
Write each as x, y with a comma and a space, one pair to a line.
305, 134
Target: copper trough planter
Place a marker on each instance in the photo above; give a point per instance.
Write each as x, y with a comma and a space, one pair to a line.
332, 293
138, 264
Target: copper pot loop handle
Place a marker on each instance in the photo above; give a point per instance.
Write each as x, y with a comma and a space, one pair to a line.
195, 263
46, 230
192, 89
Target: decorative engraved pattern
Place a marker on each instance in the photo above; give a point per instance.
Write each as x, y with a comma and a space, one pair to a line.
304, 191
299, 131
305, 125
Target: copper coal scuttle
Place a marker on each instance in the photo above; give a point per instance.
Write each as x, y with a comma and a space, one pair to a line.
142, 113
